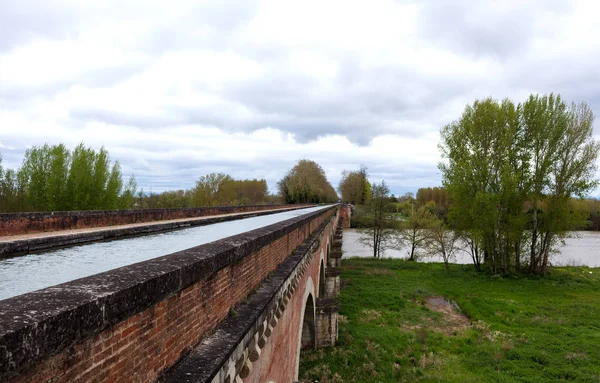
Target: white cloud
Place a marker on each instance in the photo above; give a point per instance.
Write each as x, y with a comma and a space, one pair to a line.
250, 87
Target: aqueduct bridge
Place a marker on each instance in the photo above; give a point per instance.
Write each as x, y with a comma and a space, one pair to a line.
238, 309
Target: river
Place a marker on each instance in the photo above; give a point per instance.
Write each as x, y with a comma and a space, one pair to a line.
582, 249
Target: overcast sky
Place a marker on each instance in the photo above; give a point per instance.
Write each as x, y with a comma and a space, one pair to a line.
175, 90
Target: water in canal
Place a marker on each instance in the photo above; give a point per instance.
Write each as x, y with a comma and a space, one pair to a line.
19, 275
582, 249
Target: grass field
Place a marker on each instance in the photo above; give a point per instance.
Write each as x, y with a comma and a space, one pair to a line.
515, 329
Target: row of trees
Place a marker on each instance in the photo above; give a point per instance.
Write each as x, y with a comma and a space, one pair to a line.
511, 170
438, 195
215, 189
510, 174
421, 232
55, 178
306, 182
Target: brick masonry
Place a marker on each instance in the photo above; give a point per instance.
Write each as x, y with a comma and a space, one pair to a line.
279, 358
133, 323
346, 215
23, 223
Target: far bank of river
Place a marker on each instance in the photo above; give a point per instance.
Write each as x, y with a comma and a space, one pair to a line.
583, 249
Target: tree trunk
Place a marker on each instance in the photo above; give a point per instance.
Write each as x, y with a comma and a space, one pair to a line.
533, 258
517, 256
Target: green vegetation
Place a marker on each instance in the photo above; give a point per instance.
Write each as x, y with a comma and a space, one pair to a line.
214, 189
354, 186
222, 189
54, 178
511, 171
516, 329
306, 183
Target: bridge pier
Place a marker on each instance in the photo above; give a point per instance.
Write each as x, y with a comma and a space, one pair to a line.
327, 304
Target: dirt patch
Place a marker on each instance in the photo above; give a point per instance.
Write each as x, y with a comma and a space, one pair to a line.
453, 322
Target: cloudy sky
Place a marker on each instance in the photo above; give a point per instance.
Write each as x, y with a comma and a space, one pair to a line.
175, 90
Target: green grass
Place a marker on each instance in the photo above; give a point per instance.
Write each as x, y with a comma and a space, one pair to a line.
519, 329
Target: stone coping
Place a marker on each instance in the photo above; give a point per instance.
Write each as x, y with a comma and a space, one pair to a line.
42, 323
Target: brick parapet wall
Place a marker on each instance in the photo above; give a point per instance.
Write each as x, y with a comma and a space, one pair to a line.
346, 215
132, 323
278, 360
260, 342
23, 223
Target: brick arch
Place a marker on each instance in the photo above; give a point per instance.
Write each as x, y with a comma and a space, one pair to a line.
309, 293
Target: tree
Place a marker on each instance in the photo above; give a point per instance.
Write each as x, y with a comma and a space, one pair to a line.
379, 234
354, 186
57, 179
114, 186
211, 189
126, 199
306, 183
442, 241
511, 171
414, 231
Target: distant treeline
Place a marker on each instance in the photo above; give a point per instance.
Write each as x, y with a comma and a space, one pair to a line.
54, 178
438, 201
215, 189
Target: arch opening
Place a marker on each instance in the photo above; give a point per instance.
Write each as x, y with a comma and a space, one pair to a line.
308, 324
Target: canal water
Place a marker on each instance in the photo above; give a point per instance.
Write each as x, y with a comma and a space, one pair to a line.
23, 274
581, 250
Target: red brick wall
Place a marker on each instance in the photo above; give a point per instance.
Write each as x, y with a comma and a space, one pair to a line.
279, 358
345, 215
139, 348
21, 223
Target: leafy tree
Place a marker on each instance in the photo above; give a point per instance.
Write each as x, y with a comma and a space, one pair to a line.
208, 188
380, 234
53, 178
36, 169
57, 179
114, 185
511, 171
306, 183
127, 198
354, 186
80, 186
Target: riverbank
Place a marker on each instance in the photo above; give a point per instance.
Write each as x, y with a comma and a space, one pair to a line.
520, 329
581, 249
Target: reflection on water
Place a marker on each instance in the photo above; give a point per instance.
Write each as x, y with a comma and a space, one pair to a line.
31, 272
582, 249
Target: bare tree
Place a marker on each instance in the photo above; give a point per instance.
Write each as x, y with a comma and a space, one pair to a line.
380, 234
413, 232
442, 241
